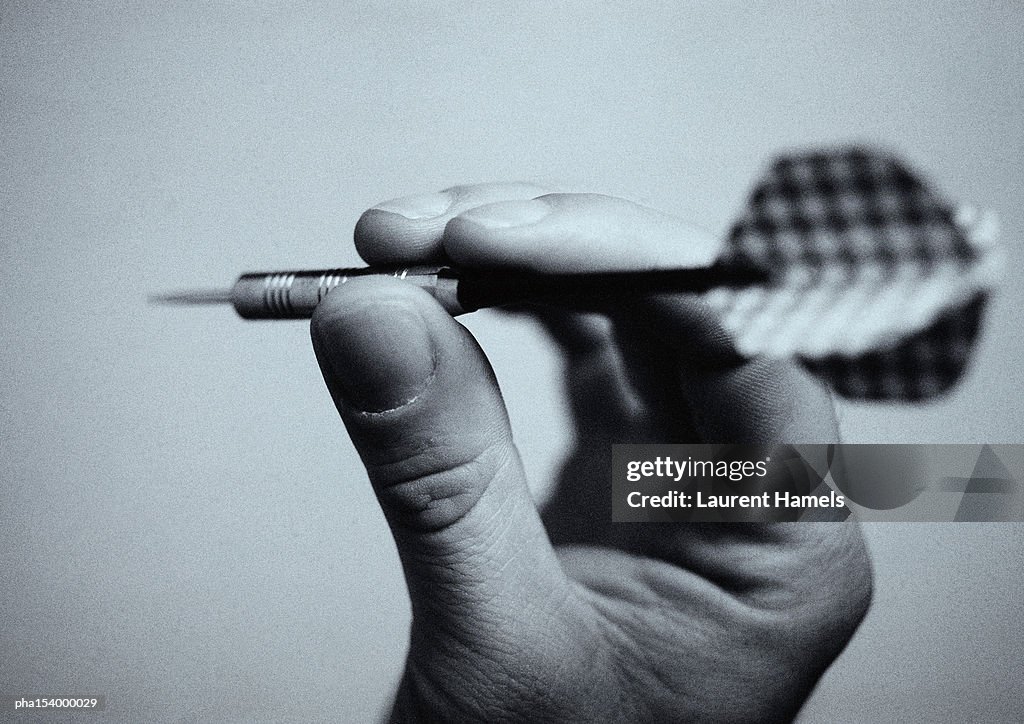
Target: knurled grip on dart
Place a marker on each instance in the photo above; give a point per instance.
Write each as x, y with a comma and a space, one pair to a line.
295, 294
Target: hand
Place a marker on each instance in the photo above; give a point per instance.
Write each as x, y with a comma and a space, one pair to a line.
586, 620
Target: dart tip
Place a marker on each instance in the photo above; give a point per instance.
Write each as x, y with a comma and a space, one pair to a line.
193, 296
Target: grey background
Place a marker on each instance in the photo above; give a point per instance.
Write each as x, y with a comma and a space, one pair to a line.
185, 527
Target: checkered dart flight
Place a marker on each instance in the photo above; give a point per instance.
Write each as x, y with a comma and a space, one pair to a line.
872, 282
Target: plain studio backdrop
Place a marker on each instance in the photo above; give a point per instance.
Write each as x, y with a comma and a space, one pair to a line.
185, 526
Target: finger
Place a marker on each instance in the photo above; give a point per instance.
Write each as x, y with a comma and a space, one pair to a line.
409, 230
424, 412
731, 399
600, 397
604, 409
565, 233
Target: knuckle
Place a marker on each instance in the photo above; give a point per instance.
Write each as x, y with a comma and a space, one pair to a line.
439, 485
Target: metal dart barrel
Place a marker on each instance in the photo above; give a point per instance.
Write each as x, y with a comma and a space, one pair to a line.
295, 294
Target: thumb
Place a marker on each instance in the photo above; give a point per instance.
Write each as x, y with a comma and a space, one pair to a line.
423, 409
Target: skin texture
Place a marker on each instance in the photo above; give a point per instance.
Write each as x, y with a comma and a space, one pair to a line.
560, 615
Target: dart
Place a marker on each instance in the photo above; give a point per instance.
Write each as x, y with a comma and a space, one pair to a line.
842, 259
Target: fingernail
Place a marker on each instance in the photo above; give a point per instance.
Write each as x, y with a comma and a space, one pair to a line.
424, 206
381, 355
508, 214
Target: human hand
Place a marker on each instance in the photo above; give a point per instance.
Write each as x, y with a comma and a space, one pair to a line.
577, 618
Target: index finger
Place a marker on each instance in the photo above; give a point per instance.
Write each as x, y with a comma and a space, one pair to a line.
409, 230
569, 233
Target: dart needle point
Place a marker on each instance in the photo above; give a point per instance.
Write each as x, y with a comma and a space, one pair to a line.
193, 296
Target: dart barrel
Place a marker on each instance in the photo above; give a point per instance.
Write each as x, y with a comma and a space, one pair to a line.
295, 294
